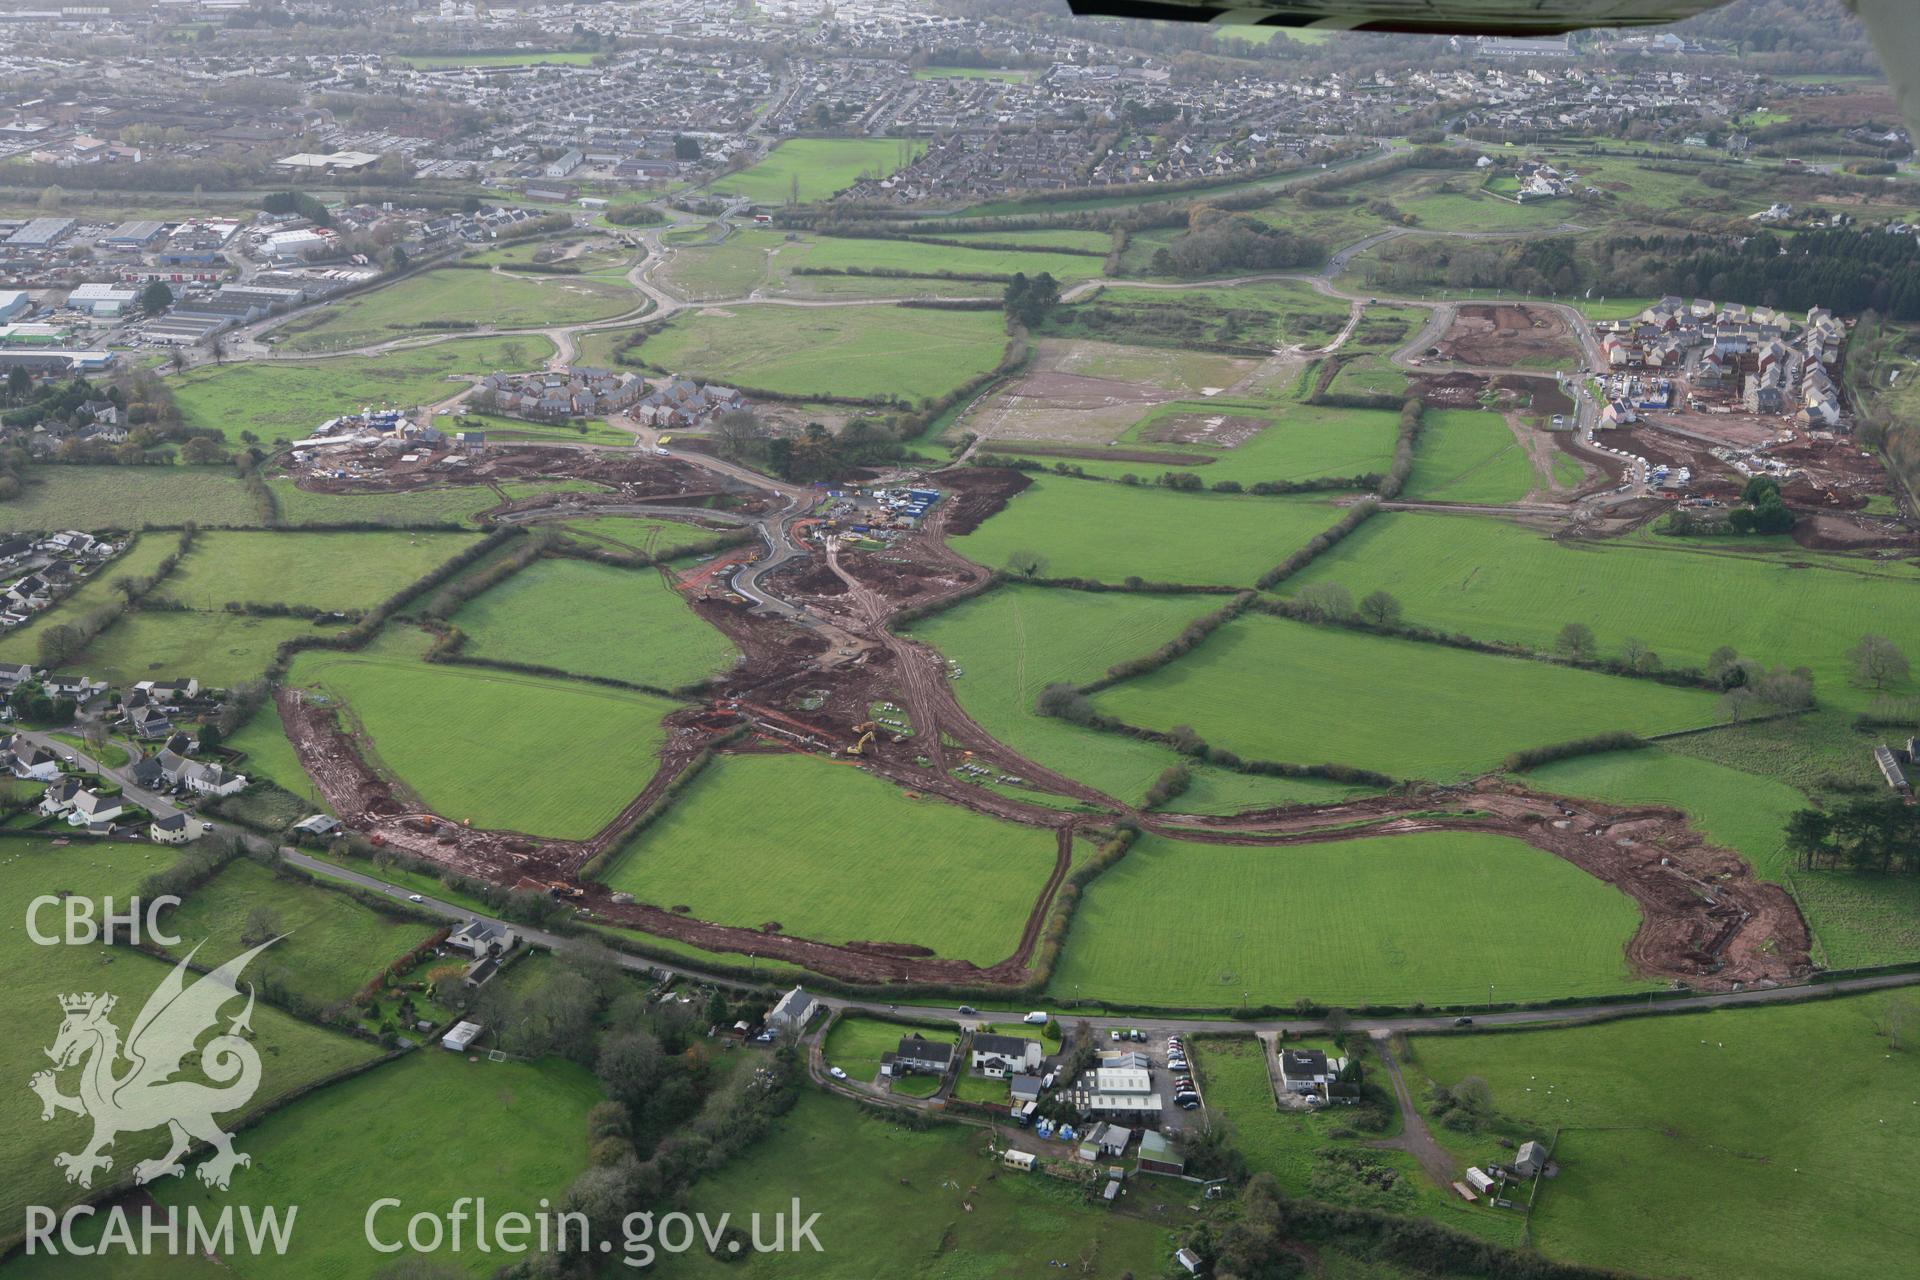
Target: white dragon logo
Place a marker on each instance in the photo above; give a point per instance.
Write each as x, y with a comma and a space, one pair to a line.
146, 1095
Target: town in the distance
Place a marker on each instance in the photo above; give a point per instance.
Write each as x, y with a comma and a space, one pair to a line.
826, 639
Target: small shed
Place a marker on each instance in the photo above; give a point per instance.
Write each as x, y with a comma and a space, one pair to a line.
1021, 1160
1189, 1260
1479, 1181
462, 1036
1532, 1159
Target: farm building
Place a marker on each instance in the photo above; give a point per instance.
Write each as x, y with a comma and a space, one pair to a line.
1530, 1160
1158, 1155
1889, 765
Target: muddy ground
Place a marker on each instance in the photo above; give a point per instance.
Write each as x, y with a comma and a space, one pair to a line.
1508, 335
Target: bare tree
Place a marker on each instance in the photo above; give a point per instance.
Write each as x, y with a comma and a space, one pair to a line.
1878, 662
1026, 564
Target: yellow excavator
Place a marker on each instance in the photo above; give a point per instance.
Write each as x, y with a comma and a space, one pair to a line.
866, 732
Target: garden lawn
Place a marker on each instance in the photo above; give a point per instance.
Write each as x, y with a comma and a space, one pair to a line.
1713, 1169
856, 1044
332, 945
1468, 455
817, 168
1390, 920
292, 1054
597, 620
327, 571
1014, 641
549, 757
1859, 920
850, 859
1272, 689
419, 304
1497, 581
290, 399
92, 498
864, 352
930, 1203
1318, 1153
1111, 532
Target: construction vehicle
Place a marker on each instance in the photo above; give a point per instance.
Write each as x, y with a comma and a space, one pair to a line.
860, 748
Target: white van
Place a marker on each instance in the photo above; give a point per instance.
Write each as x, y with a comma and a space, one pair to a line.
1038, 1018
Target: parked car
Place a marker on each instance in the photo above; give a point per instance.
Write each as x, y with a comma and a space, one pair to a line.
836, 1073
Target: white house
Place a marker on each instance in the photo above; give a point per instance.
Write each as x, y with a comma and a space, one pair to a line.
213, 780
1001, 1055
90, 807
1306, 1070
173, 829
792, 1012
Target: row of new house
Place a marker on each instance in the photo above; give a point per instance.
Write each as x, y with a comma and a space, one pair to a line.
682, 402
576, 392
1733, 346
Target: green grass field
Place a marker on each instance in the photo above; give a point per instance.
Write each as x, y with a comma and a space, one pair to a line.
414, 305
867, 352
816, 168
332, 947
596, 620
403, 1131
638, 533
92, 498
270, 755
842, 253
1269, 314
730, 268
1273, 689
498, 427
290, 399
1498, 581
1381, 920
1111, 532
1014, 641
1707, 1163
322, 570
292, 1054
451, 505
525, 753
1467, 455
852, 860
933, 1203
218, 649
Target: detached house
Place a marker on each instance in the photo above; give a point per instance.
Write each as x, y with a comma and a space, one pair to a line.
169, 830
213, 780
1003, 1055
922, 1057
1305, 1070
91, 809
